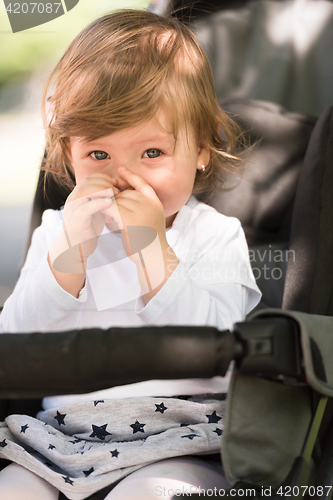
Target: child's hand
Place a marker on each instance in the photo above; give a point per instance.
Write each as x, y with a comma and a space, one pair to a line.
138, 205
83, 217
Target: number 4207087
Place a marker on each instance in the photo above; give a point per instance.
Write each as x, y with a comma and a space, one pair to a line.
31, 8
301, 491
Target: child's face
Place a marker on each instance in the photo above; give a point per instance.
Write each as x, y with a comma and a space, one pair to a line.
150, 151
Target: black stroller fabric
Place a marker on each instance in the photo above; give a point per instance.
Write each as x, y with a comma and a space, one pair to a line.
267, 422
263, 196
309, 283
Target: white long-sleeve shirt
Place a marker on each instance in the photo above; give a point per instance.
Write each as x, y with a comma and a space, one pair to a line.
212, 285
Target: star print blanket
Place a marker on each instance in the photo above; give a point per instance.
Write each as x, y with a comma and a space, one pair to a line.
82, 448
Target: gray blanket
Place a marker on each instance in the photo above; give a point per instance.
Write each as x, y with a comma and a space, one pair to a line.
82, 448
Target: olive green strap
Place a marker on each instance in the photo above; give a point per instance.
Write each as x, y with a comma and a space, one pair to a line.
311, 439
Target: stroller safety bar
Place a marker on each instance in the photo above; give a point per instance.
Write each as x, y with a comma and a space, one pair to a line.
94, 359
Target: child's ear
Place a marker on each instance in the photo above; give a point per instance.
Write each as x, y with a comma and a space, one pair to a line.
203, 156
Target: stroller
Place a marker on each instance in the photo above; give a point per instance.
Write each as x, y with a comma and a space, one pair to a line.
277, 437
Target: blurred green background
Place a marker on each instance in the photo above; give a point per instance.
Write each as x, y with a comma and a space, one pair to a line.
33, 49
26, 59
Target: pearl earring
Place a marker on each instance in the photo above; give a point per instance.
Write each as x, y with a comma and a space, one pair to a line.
203, 168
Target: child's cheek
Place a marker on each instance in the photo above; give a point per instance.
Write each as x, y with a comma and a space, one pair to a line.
80, 172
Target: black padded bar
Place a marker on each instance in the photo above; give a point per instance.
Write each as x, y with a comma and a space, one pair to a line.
40, 364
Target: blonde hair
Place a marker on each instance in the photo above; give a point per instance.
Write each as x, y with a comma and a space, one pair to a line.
117, 73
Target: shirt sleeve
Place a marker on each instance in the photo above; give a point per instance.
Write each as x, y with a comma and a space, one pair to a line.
182, 302
38, 302
212, 285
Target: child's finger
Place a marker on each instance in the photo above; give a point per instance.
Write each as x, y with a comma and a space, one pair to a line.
107, 177
96, 179
92, 184
112, 212
105, 193
96, 190
95, 205
87, 221
137, 182
88, 194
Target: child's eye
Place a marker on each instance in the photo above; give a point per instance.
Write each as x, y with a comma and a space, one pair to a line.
99, 155
152, 153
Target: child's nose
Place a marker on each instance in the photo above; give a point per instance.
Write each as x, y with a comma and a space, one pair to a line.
121, 184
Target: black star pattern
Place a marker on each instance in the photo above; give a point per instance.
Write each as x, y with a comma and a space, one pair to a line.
190, 436
137, 427
218, 431
51, 447
213, 418
60, 417
68, 480
3, 444
114, 453
161, 408
24, 428
99, 432
88, 472
99, 401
